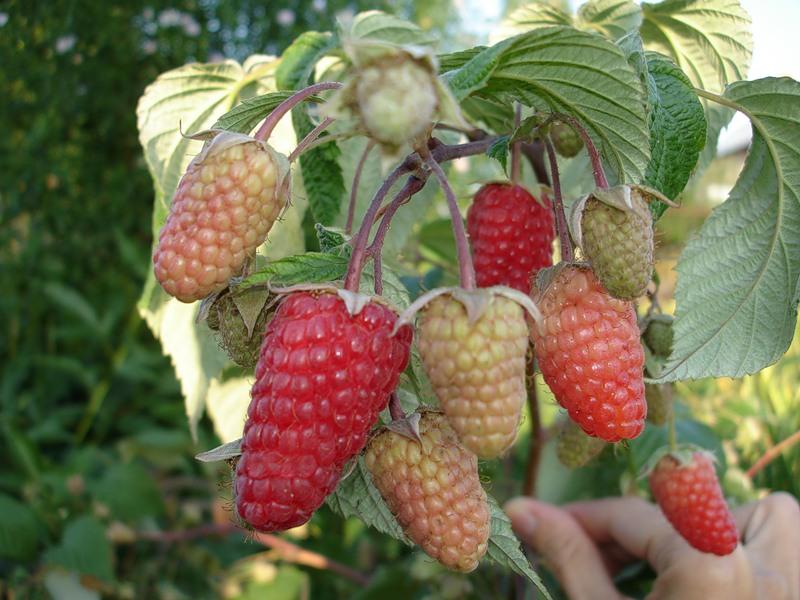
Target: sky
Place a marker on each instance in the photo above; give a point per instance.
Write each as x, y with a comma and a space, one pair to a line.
775, 39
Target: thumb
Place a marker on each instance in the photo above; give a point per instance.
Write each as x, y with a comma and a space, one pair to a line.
562, 543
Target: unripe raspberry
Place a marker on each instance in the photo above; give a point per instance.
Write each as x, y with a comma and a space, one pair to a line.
477, 368
659, 402
589, 353
432, 487
566, 140
323, 376
397, 99
223, 209
241, 345
658, 335
574, 448
618, 241
511, 235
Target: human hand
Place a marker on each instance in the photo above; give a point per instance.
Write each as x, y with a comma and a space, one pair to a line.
586, 543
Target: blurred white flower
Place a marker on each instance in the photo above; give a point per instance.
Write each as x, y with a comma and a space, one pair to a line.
285, 17
190, 26
169, 17
3, 18
65, 43
319, 5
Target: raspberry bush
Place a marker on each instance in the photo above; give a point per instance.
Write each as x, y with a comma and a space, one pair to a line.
515, 325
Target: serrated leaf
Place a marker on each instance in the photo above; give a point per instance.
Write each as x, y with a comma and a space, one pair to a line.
312, 267
454, 60
712, 43
377, 25
332, 240
738, 280
492, 115
505, 550
677, 128
83, 549
357, 496
243, 117
610, 18
129, 492
19, 530
499, 151
300, 58
564, 70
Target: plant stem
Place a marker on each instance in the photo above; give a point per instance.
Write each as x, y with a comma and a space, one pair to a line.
351, 207
534, 152
537, 437
516, 165
672, 433
772, 454
558, 205
465, 267
594, 155
312, 135
284, 107
395, 410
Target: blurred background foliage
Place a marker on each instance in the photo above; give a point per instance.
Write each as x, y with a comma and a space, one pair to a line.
98, 477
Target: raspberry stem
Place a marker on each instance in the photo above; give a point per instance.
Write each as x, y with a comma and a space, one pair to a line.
465, 266
594, 155
558, 204
395, 410
537, 434
284, 107
311, 137
351, 207
516, 165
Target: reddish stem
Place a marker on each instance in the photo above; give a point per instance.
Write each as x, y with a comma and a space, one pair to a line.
516, 164
558, 204
395, 410
772, 454
465, 266
312, 135
594, 155
537, 438
351, 208
284, 107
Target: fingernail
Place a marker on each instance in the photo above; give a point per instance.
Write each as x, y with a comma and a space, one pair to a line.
522, 520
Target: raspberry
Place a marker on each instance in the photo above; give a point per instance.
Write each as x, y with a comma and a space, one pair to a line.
659, 402
225, 204
566, 140
511, 235
658, 335
432, 487
241, 345
690, 497
574, 448
321, 380
397, 99
589, 353
618, 240
477, 368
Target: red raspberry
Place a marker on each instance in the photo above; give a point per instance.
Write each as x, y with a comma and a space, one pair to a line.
321, 380
511, 235
589, 353
223, 208
691, 499
433, 488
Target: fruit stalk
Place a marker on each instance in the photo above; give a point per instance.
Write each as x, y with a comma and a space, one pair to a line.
351, 207
535, 450
284, 107
465, 267
558, 205
516, 165
311, 137
594, 155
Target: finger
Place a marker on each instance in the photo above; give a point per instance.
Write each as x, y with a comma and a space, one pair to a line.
637, 526
567, 549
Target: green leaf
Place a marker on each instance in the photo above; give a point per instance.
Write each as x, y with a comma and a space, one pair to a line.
357, 496
300, 58
332, 240
737, 288
129, 492
377, 25
19, 530
677, 128
499, 151
493, 115
454, 60
711, 41
243, 117
83, 549
505, 550
564, 70
312, 267
610, 18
